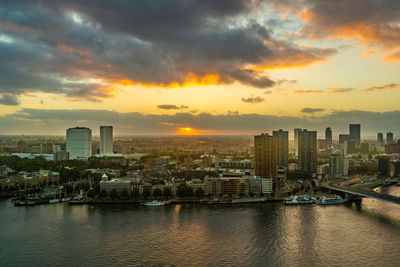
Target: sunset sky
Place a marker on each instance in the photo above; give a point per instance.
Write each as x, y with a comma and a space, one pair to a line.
214, 67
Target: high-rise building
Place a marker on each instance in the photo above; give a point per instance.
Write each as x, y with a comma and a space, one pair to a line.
79, 142
383, 166
283, 147
296, 140
328, 137
343, 138
389, 138
355, 133
335, 167
106, 139
266, 157
308, 151
349, 147
364, 148
380, 138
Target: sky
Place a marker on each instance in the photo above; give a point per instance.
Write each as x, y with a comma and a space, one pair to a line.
199, 66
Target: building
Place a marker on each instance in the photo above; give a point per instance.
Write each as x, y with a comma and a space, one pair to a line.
114, 184
61, 155
355, 133
328, 137
232, 186
343, 138
296, 140
380, 138
335, 167
389, 138
364, 148
266, 157
234, 164
384, 166
349, 147
392, 149
106, 139
308, 151
79, 142
283, 147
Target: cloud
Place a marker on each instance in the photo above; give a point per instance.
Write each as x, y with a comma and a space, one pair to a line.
253, 99
382, 87
9, 100
167, 106
312, 110
42, 121
308, 91
97, 44
340, 90
392, 57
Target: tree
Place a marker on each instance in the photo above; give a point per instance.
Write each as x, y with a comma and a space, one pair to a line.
103, 194
157, 192
184, 191
200, 192
91, 193
146, 193
125, 193
114, 194
167, 192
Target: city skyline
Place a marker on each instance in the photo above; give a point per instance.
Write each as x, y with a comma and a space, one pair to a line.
203, 68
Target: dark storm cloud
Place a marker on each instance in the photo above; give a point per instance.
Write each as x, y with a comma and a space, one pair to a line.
166, 106
47, 44
33, 121
312, 110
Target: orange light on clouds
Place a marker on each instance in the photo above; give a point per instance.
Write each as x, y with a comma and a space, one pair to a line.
190, 131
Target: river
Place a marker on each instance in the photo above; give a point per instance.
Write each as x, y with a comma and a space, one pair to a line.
262, 234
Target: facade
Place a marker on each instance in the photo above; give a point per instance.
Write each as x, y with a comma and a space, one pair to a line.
355, 133
266, 156
234, 164
79, 142
296, 140
389, 138
232, 186
118, 185
392, 149
384, 166
349, 147
106, 139
365, 148
308, 151
283, 147
380, 138
335, 167
343, 138
328, 137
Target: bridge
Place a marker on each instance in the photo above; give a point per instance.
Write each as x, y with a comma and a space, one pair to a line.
364, 193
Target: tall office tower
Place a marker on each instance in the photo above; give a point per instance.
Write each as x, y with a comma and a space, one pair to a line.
266, 156
308, 151
106, 139
349, 147
79, 142
389, 138
355, 133
283, 147
364, 148
383, 166
328, 137
335, 167
380, 138
296, 140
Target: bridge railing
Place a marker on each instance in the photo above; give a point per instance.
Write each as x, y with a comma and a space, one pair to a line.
368, 193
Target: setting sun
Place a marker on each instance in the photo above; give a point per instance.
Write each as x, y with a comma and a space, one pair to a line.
188, 131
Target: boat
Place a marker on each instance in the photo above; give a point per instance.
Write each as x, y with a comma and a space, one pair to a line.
65, 199
299, 200
53, 201
77, 200
23, 203
330, 201
154, 203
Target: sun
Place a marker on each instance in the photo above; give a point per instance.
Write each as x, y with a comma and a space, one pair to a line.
188, 131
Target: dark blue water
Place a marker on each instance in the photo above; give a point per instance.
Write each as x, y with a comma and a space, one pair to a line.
268, 234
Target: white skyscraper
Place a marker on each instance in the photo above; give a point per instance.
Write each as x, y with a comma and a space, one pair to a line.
106, 139
79, 142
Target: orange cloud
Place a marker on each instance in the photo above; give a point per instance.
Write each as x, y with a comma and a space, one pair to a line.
17, 28
71, 50
369, 52
339, 90
191, 79
393, 57
308, 91
382, 87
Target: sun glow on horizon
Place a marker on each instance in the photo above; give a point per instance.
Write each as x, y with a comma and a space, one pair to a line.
189, 131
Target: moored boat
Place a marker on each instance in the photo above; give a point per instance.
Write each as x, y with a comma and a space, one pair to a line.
154, 203
330, 201
299, 200
53, 201
77, 200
